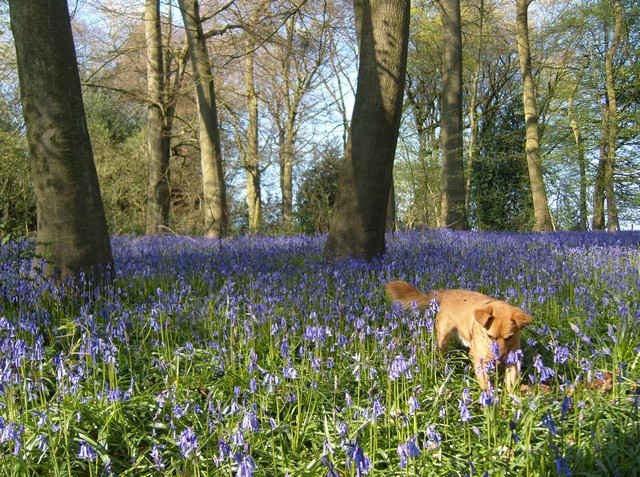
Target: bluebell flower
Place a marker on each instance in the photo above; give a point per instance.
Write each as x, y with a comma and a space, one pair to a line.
156, 456
561, 355
544, 372
289, 372
486, 397
465, 414
246, 465
433, 437
414, 405
188, 443
562, 467
331, 471
400, 366
250, 421
224, 452
514, 358
357, 457
87, 452
549, 423
42, 443
377, 410
407, 450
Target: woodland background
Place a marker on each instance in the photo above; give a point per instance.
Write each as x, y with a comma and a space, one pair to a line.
285, 73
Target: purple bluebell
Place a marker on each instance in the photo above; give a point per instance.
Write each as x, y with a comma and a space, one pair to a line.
156, 456
414, 405
407, 450
549, 423
188, 443
433, 438
87, 452
357, 457
246, 465
463, 402
331, 471
544, 373
560, 355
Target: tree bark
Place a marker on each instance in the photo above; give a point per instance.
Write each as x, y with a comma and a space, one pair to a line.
581, 159
358, 222
158, 138
611, 124
598, 220
216, 216
72, 234
472, 151
452, 186
542, 217
252, 162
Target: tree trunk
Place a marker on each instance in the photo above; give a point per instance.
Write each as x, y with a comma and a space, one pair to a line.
287, 156
358, 222
72, 232
611, 124
581, 159
541, 213
216, 217
252, 162
473, 117
452, 186
158, 139
598, 221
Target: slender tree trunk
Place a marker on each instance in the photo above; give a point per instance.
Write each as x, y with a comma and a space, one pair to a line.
358, 222
286, 170
158, 146
287, 133
541, 213
252, 162
581, 159
72, 232
598, 221
452, 196
473, 117
216, 218
611, 132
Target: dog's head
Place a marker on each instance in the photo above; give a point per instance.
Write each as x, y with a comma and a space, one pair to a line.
502, 323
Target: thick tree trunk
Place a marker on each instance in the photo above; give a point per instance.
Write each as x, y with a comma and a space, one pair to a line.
252, 162
542, 217
611, 124
72, 232
216, 217
452, 186
158, 146
358, 222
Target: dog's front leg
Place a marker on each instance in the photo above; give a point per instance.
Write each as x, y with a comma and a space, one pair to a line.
511, 376
482, 375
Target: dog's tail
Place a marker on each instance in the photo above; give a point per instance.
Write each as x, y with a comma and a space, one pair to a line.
408, 295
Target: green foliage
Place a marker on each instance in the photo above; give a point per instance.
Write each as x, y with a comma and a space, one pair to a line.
501, 196
118, 141
17, 201
317, 191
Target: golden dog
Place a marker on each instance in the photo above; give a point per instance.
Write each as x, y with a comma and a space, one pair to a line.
490, 328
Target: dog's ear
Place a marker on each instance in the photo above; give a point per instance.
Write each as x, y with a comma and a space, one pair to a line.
484, 316
521, 319
406, 294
